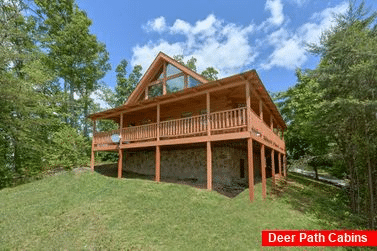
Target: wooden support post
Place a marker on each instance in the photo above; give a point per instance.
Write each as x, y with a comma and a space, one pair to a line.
158, 163
263, 162
248, 106
209, 166
279, 159
120, 163
92, 157
250, 163
158, 122
285, 165
208, 101
273, 167
120, 129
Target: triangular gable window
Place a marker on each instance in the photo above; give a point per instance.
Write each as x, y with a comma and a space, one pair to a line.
171, 70
192, 82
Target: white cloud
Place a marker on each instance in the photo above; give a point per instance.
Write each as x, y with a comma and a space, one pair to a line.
311, 32
289, 54
276, 9
158, 24
290, 47
96, 96
226, 47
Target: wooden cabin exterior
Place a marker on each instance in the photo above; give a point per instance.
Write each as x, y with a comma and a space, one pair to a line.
178, 123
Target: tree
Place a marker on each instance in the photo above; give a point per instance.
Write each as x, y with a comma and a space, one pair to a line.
126, 85
298, 106
348, 78
210, 73
26, 96
76, 56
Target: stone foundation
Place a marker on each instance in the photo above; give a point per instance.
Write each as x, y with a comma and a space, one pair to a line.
190, 163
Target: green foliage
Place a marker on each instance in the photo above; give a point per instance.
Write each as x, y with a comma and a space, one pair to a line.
44, 50
331, 113
68, 149
210, 73
75, 55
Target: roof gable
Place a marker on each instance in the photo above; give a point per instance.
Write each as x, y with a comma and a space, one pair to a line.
162, 76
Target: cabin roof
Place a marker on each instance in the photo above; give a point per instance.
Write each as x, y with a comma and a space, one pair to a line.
134, 104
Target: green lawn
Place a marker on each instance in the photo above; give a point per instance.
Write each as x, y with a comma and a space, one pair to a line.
88, 211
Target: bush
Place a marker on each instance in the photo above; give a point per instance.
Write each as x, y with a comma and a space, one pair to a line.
68, 149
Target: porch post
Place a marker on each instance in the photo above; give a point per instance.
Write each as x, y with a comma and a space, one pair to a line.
120, 160
158, 156
158, 153
285, 165
248, 106
209, 166
250, 163
263, 162
120, 151
92, 157
273, 167
208, 101
209, 148
279, 159
158, 122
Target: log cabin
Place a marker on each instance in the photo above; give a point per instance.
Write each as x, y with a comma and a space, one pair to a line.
176, 123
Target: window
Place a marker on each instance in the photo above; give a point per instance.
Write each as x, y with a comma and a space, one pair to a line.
155, 90
192, 82
175, 84
171, 70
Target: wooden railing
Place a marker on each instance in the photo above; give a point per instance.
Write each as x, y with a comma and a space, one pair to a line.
259, 126
104, 137
185, 126
220, 122
229, 119
136, 133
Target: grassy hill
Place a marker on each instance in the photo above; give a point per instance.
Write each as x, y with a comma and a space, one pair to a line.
92, 212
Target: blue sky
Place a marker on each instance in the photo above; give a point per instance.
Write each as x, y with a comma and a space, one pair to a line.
231, 35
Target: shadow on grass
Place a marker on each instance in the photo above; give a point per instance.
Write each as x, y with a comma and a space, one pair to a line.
327, 203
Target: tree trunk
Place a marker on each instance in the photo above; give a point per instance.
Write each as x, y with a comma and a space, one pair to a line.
316, 172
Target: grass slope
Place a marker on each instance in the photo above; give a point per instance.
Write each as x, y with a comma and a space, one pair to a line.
88, 211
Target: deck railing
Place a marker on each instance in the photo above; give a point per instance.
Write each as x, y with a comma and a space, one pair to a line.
136, 133
219, 122
185, 126
228, 119
104, 137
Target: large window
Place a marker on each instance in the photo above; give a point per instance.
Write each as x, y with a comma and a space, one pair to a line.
192, 82
155, 90
171, 70
175, 84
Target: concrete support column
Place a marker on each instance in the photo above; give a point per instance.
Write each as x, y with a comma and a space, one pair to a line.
250, 163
